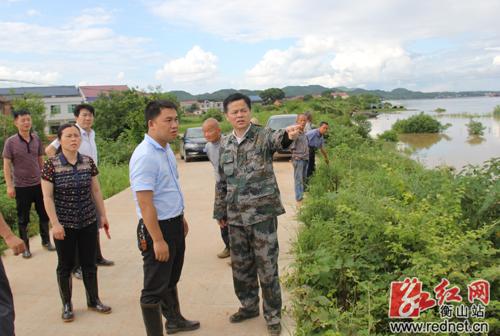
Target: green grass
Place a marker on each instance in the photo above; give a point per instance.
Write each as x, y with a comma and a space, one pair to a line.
113, 179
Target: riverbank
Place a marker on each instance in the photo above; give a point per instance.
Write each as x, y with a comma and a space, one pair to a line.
375, 216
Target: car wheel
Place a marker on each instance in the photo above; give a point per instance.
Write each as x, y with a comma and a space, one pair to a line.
188, 159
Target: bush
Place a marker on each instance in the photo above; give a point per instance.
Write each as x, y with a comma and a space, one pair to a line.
390, 135
7, 129
213, 113
440, 110
374, 216
115, 152
475, 128
496, 111
420, 123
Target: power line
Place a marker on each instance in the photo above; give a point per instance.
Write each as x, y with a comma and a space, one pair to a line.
18, 81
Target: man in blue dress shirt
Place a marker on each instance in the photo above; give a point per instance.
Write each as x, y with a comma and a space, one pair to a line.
162, 227
316, 140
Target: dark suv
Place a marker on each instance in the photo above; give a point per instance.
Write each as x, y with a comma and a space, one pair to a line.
279, 121
193, 144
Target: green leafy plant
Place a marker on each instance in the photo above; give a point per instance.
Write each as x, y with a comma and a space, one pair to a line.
420, 123
475, 128
389, 135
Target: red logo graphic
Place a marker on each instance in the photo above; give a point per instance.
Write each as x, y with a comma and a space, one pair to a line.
480, 290
447, 295
408, 300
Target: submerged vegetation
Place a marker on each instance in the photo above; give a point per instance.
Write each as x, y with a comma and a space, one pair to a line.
475, 128
420, 123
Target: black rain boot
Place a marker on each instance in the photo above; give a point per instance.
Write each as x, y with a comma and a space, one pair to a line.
65, 287
93, 302
23, 234
175, 321
152, 319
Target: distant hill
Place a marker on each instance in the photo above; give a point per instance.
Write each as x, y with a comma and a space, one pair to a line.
292, 91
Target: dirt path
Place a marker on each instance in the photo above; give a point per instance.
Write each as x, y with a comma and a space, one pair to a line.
206, 289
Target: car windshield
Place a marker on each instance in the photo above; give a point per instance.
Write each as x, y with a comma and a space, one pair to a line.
194, 133
282, 122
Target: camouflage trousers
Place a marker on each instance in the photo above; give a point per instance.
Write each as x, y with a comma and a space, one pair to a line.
254, 255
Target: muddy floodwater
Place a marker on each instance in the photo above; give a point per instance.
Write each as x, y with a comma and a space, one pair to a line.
454, 147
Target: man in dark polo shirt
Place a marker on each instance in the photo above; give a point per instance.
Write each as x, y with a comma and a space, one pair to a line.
23, 160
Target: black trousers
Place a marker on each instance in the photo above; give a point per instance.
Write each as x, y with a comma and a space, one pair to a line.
99, 256
311, 167
82, 240
224, 233
159, 277
6, 305
25, 196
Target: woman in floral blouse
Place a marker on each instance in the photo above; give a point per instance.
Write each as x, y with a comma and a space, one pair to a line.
73, 200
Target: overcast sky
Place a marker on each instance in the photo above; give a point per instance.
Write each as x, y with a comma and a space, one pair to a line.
202, 46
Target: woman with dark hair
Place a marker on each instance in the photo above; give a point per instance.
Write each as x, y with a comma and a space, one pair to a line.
73, 198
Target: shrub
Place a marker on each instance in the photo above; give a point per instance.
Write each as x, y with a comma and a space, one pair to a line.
213, 113
115, 152
389, 135
475, 128
440, 110
420, 123
496, 111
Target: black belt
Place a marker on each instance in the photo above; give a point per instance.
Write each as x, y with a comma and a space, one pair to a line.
170, 220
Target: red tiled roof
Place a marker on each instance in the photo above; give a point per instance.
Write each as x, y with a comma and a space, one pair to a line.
96, 90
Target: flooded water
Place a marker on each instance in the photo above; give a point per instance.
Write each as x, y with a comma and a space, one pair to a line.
454, 147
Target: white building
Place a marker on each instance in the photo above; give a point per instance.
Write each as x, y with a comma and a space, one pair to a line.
59, 102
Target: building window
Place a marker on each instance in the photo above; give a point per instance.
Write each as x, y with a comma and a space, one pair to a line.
55, 109
71, 108
54, 129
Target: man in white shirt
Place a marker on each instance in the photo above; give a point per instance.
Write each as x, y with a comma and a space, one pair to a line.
84, 116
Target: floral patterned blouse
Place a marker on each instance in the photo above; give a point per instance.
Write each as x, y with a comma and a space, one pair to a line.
75, 207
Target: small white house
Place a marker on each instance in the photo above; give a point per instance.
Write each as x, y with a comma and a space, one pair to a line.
59, 101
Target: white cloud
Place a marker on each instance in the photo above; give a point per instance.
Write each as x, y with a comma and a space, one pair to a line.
355, 43
383, 19
32, 12
496, 60
196, 65
40, 77
92, 17
329, 62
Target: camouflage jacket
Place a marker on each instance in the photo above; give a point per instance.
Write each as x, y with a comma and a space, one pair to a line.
247, 192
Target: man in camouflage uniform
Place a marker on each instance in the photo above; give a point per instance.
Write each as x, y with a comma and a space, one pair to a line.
248, 200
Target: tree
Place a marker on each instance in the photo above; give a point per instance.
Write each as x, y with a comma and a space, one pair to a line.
34, 104
121, 114
213, 113
269, 96
193, 108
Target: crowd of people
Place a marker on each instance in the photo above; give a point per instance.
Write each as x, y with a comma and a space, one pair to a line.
66, 192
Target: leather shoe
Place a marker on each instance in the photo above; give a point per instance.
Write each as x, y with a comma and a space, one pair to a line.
274, 329
67, 312
100, 307
174, 326
26, 254
242, 315
224, 254
104, 262
48, 246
